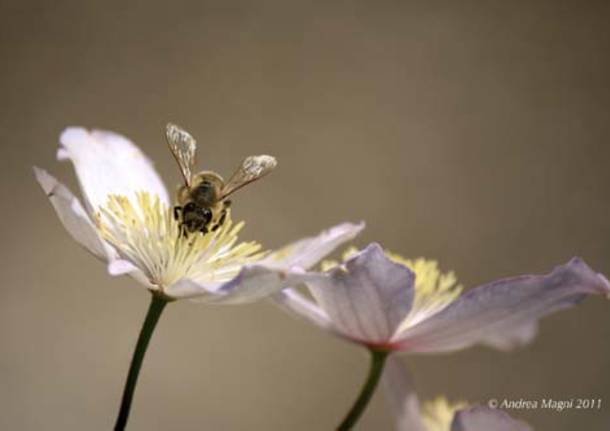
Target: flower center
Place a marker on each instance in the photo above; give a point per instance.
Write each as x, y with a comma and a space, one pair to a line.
145, 233
434, 290
438, 414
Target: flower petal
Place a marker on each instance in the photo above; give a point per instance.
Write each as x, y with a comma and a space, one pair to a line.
108, 163
496, 310
73, 216
309, 251
368, 297
120, 267
253, 283
296, 303
401, 395
124, 267
513, 337
479, 418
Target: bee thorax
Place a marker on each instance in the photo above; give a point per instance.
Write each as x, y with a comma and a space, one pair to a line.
205, 194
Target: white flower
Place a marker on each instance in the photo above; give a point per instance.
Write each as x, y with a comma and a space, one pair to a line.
439, 414
127, 222
386, 302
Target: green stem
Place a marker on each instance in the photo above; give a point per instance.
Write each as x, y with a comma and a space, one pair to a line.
157, 304
378, 358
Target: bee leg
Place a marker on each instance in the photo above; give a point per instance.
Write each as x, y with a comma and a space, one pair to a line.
223, 217
183, 231
203, 230
177, 211
221, 220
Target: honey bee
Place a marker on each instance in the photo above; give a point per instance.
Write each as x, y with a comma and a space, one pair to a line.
202, 199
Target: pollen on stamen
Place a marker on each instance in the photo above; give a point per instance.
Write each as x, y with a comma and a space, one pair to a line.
145, 233
434, 290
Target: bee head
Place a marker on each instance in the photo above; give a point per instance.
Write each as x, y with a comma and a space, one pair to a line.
206, 188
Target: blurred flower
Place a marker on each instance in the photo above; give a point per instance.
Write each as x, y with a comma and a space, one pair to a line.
439, 415
127, 222
388, 303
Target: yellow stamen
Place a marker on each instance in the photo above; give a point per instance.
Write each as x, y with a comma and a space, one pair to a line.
438, 414
434, 290
146, 233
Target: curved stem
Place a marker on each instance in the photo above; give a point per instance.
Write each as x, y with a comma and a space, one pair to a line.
157, 304
378, 358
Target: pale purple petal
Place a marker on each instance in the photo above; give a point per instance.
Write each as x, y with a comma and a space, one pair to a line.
108, 163
73, 216
400, 393
309, 251
368, 297
119, 267
500, 308
253, 283
516, 336
296, 303
479, 418
189, 289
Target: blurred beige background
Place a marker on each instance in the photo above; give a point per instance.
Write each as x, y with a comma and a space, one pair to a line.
473, 132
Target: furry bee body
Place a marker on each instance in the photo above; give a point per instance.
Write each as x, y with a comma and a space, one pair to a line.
203, 204
201, 209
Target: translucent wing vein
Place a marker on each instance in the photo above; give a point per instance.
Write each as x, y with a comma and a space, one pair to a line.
184, 148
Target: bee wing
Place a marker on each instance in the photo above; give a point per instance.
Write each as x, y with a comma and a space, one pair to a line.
251, 169
184, 148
